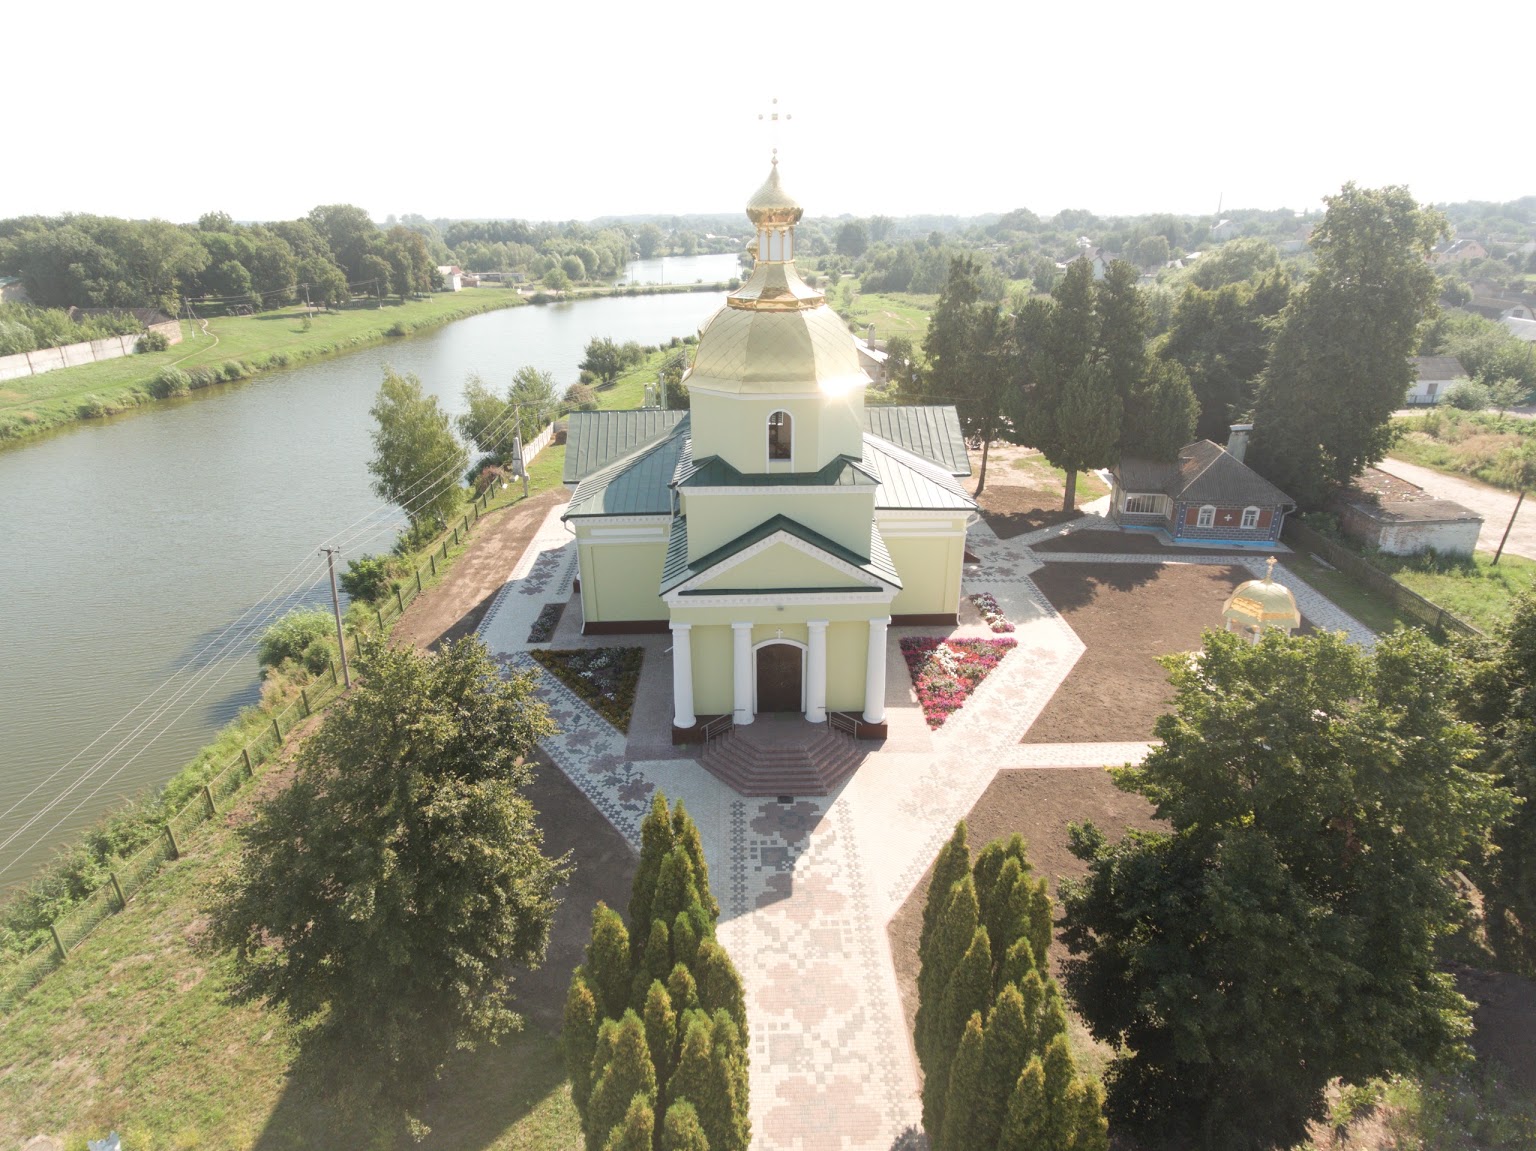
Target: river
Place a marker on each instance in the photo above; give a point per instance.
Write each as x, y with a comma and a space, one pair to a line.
136, 551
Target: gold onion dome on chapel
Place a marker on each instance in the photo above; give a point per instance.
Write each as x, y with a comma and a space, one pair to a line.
776, 333
1262, 603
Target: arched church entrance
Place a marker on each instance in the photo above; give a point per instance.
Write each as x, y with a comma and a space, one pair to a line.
780, 677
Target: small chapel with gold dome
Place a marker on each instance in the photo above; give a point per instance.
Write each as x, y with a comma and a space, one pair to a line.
781, 525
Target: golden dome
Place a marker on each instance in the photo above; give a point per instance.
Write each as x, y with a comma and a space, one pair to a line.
1262, 603
744, 350
771, 204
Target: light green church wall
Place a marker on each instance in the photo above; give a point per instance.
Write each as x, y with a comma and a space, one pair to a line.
712, 652
735, 428
929, 567
847, 653
715, 520
699, 612
621, 581
782, 566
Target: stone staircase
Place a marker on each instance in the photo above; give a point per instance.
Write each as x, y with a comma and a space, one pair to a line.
783, 755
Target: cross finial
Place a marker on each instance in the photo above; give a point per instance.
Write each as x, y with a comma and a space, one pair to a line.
772, 117
1269, 571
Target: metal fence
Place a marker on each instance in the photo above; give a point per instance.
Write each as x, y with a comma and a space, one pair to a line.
126, 877
1410, 602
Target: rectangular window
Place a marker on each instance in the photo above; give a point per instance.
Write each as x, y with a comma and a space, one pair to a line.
779, 436
1207, 517
1145, 504
1250, 518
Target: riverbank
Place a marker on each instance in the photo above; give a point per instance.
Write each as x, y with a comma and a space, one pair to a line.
232, 348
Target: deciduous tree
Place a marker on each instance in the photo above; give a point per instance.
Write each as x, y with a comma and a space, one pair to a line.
417, 461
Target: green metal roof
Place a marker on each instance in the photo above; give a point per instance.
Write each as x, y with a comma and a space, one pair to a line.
637, 485
593, 440
677, 570
931, 431
911, 483
713, 472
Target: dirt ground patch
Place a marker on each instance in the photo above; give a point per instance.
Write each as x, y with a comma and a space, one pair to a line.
1012, 511
1038, 804
1126, 615
456, 606
605, 870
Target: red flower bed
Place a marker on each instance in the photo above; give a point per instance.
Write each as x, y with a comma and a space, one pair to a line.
946, 671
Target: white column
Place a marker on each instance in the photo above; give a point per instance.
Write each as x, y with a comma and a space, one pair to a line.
816, 673
874, 672
682, 675
741, 671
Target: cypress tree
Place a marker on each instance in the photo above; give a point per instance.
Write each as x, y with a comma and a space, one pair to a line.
1004, 1054
660, 1034
1019, 962
719, 984
963, 1099
629, 1072
985, 872
951, 936
1040, 926
578, 1037
1061, 1114
608, 962
692, 1081
686, 835
654, 963
677, 886
1090, 1129
1024, 1126
636, 1130
681, 1131
686, 933
728, 1081
968, 990
953, 863
997, 899
655, 843
682, 990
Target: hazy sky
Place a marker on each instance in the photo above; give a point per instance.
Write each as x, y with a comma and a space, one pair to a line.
574, 110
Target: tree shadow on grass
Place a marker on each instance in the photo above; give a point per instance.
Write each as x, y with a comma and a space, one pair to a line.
478, 1098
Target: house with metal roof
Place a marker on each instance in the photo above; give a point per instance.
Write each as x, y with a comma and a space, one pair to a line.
778, 527
1207, 495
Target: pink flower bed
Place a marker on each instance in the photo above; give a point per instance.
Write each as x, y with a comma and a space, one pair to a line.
987, 605
946, 671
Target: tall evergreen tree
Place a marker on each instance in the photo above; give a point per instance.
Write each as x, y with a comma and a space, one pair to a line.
963, 1101
607, 970
1339, 365
637, 1130
681, 1130
578, 1038
628, 1072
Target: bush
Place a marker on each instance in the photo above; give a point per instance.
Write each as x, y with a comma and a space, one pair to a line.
234, 370
200, 378
152, 342
561, 430
582, 397
398, 328
91, 408
489, 477
295, 637
1468, 396
170, 382
539, 298
368, 578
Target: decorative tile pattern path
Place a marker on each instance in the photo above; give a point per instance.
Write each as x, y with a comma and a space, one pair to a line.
808, 888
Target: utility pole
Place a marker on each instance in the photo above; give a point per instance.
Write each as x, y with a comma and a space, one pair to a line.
341, 638
517, 445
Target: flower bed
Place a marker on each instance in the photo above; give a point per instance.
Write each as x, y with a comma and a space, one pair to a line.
605, 677
543, 629
991, 612
946, 671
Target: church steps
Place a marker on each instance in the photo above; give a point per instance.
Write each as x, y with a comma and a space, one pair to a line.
799, 759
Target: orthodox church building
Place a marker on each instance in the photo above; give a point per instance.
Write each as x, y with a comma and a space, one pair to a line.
779, 527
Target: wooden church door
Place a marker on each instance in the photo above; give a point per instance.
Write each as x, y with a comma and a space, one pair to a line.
778, 677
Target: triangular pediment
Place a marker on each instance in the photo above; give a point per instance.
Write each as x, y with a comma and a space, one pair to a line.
784, 563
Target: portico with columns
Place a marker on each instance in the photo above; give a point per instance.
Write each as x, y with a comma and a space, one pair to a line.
786, 528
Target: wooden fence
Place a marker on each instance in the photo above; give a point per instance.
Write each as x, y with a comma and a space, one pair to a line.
1335, 554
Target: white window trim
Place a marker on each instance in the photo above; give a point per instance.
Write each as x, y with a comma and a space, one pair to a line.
1251, 512
1207, 516
1160, 503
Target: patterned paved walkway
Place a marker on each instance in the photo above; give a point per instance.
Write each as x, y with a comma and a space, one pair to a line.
807, 889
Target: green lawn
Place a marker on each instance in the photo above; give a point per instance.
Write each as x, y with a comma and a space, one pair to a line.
902, 314
272, 339
137, 1032
1375, 611
1477, 590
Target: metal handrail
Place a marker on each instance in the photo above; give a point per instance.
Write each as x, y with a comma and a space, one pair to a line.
720, 725
840, 722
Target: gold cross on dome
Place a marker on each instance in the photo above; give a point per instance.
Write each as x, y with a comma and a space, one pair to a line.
772, 117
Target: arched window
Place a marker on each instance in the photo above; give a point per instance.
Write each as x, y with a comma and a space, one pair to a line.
1207, 517
779, 433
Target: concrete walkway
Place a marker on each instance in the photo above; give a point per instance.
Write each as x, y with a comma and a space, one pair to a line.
1492, 504
808, 888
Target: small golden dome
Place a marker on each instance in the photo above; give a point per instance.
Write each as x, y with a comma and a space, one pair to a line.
771, 204
1262, 603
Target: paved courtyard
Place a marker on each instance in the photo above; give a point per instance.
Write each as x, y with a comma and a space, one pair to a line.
806, 889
